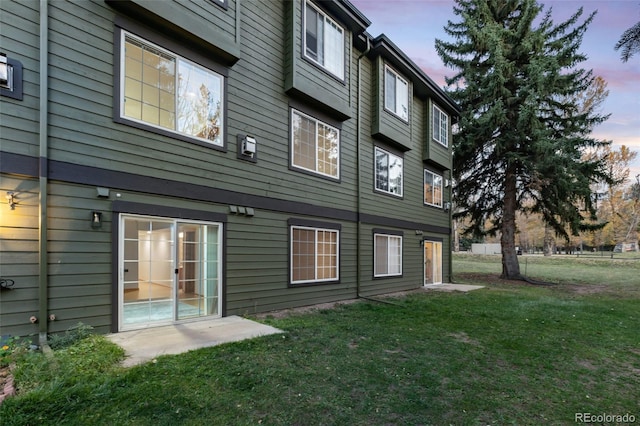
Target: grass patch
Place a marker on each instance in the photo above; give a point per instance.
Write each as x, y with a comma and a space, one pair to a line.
502, 355
617, 277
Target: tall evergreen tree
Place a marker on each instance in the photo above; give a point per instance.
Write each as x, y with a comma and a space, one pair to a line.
629, 42
522, 133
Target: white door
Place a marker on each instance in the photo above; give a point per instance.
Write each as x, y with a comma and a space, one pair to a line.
432, 262
169, 270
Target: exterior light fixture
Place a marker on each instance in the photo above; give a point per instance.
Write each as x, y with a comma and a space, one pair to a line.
96, 220
11, 199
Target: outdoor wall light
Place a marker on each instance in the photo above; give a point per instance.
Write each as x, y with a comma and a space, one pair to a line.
96, 220
11, 198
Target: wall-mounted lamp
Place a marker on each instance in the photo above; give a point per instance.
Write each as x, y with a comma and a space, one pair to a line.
96, 220
4, 70
11, 198
447, 206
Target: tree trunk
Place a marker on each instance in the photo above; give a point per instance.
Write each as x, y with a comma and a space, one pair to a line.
549, 241
510, 265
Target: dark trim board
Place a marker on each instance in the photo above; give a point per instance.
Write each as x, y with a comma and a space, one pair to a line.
400, 223
85, 175
19, 164
119, 206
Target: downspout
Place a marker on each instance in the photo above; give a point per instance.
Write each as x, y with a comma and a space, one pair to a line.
43, 173
358, 178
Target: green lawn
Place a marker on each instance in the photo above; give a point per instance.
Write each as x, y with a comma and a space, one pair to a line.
506, 354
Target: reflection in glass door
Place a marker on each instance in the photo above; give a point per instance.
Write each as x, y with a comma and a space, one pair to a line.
197, 270
432, 262
169, 270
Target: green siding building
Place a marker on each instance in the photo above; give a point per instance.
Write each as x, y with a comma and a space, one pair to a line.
186, 160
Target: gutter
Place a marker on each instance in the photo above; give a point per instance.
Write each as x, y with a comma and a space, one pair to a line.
43, 174
358, 171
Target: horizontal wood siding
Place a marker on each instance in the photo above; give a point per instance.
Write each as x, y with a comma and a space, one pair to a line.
19, 39
258, 266
434, 151
19, 256
150, 169
386, 125
306, 76
79, 258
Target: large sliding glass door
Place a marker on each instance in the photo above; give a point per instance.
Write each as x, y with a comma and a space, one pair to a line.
169, 270
432, 262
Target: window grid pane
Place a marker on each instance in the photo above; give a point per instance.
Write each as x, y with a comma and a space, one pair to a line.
389, 172
402, 108
432, 189
381, 255
334, 48
314, 255
315, 145
323, 41
165, 91
303, 255
199, 103
390, 90
388, 255
440, 126
396, 94
311, 39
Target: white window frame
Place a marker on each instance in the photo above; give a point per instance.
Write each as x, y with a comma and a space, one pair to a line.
434, 177
219, 141
440, 126
318, 123
400, 107
375, 171
389, 238
292, 254
330, 54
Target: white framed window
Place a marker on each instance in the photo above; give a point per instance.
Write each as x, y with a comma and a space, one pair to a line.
314, 254
323, 40
387, 255
396, 94
432, 189
165, 91
440, 126
315, 146
388, 169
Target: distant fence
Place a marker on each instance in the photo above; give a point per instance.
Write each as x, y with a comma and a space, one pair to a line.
610, 255
478, 248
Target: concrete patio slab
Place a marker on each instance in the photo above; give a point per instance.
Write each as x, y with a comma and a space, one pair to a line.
145, 344
453, 287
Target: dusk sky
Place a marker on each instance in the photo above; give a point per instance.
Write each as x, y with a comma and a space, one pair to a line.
413, 25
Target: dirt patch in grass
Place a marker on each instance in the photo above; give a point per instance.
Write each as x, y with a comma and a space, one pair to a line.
494, 279
463, 337
283, 313
383, 298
